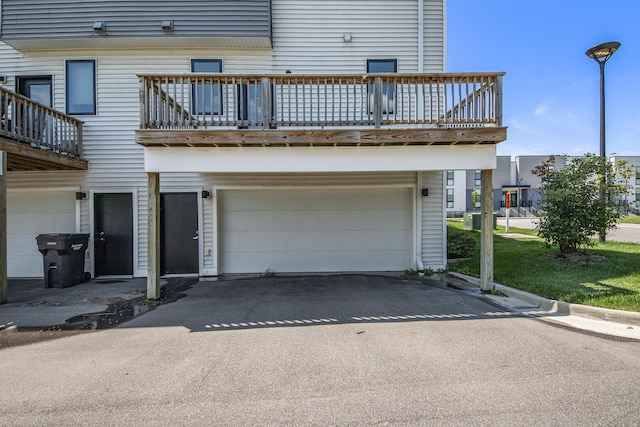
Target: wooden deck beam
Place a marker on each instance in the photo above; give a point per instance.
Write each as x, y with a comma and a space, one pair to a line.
319, 137
22, 157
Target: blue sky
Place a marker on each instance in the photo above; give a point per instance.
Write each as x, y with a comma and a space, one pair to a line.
552, 89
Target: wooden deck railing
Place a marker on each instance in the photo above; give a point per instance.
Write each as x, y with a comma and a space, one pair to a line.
211, 100
30, 123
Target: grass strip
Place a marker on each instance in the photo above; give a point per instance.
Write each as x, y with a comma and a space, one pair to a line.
608, 276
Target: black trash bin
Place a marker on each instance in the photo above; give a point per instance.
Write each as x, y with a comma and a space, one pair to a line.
63, 258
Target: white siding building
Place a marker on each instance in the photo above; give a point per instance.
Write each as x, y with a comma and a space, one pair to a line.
303, 193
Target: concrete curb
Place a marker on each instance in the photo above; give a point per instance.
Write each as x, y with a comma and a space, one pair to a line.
560, 307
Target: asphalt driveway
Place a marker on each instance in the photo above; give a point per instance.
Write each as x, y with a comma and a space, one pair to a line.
313, 300
345, 350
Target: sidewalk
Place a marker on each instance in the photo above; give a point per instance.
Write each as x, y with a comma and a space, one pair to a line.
54, 306
616, 323
40, 313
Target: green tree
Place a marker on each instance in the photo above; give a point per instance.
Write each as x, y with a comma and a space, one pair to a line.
475, 197
580, 199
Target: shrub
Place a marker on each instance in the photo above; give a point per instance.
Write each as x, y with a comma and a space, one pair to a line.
580, 199
460, 244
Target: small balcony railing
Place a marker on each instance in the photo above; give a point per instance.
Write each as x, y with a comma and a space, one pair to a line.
30, 123
214, 100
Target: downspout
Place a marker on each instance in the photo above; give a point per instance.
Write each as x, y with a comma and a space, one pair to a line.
418, 198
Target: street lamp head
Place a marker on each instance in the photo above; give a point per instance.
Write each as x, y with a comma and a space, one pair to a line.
602, 52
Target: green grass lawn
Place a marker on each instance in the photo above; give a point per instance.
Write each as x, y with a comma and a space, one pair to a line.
630, 219
609, 277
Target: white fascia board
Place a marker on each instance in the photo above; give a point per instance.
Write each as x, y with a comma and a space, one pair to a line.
320, 159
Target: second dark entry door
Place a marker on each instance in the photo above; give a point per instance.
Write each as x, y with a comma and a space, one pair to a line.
179, 235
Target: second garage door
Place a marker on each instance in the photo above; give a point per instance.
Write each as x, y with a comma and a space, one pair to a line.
315, 230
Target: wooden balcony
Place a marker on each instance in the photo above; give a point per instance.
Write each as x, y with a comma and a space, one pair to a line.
286, 110
36, 137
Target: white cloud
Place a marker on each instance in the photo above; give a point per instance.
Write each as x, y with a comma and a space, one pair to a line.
540, 110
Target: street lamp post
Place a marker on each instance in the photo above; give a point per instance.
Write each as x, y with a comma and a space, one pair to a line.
601, 54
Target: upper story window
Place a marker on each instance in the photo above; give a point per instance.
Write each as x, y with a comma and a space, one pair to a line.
478, 179
382, 65
637, 175
206, 95
81, 86
449, 178
388, 90
449, 197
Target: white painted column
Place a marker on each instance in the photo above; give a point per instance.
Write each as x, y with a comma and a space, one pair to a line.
153, 236
417, 223
486, 218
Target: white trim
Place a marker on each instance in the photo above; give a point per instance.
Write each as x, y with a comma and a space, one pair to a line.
200, 231
322, 159
444, 219
41, 189
417, 197
313, 187
215, 250
79, 215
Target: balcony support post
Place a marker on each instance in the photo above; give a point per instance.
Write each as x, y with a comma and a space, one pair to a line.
486, 231
153, 236
266, 103
377, 102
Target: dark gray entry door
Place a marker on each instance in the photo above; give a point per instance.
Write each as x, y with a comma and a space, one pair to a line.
113, 240
179, 252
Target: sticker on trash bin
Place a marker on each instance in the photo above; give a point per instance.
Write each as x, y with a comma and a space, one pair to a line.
52, 243
76, 246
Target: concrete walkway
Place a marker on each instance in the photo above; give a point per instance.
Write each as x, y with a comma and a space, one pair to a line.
618, 323
622, 233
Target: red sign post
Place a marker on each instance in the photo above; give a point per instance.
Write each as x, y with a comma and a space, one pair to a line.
508, 203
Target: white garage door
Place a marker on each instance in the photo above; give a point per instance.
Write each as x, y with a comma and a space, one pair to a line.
30, 214
315, 230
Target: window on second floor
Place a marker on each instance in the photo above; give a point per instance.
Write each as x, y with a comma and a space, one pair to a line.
637, 175
81, 87
206, 96
449, 178
388, 90
478, 178
449, 197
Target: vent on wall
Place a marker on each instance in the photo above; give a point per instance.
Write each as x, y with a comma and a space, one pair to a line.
99, 26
